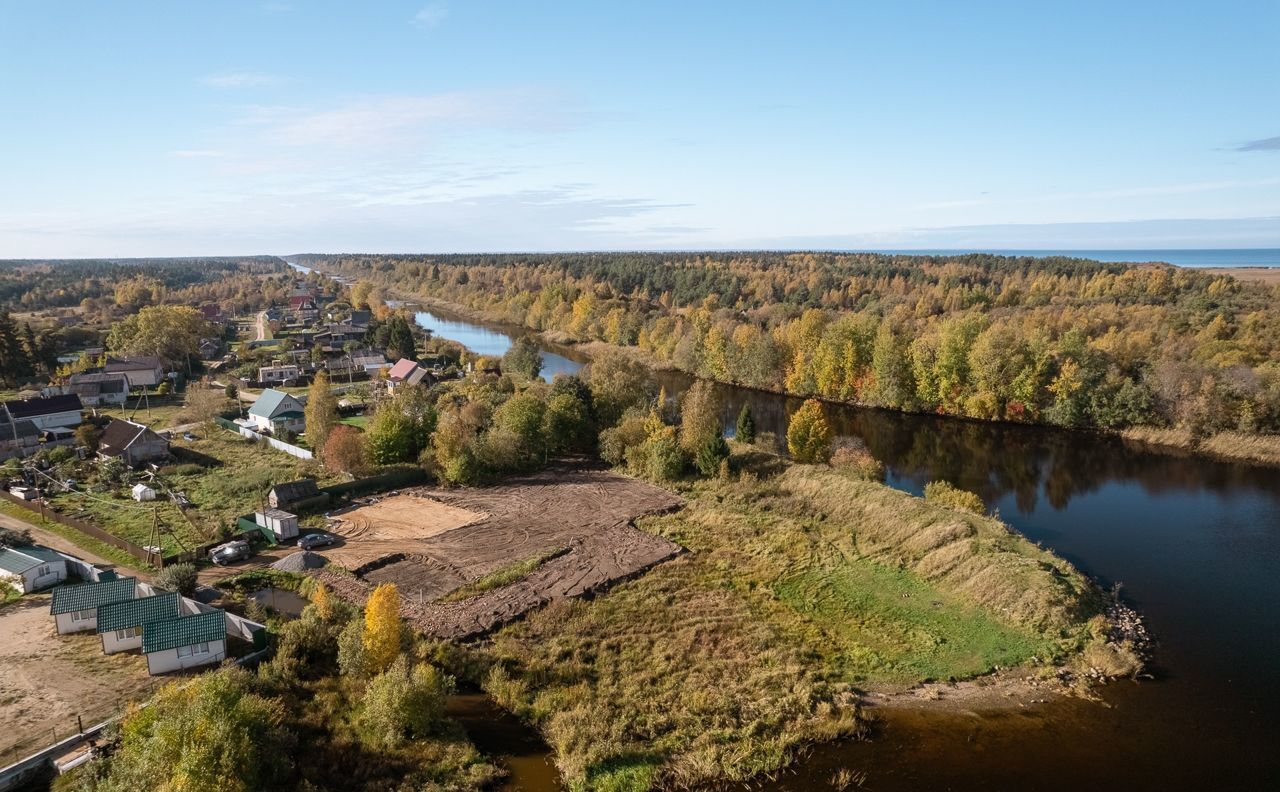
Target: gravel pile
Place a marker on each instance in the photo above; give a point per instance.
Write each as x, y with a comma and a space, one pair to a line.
300, 561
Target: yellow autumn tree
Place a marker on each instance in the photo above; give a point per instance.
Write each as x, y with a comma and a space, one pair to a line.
322, 601
382, 628
809, 435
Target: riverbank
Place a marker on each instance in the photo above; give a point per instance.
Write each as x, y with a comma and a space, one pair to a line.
1230, 446
804, 590
1235, 446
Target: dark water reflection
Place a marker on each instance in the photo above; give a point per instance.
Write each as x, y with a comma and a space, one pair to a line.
1196, 543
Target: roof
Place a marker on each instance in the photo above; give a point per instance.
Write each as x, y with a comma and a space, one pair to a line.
278, 514
23, 428
132, 363
23, 557
91, 595
273, 402
184, 631
418, 375
296, 490
402, 369
138, 612
30, 408
107, 383
119, 435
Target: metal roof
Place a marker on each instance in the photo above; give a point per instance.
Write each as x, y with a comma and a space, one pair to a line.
23, 557
138, 612
91, 595
273, 402
51, 405
184, 631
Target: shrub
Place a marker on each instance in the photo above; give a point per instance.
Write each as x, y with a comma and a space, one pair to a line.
351, 654
944, 494
178, 577
857, 460
745, 430
808, 435
711, 453
344, 450
404, 701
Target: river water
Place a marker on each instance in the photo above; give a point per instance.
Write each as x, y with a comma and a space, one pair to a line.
1196, 543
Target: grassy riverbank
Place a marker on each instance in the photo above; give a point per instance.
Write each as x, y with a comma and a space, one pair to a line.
1239, 446
803, 586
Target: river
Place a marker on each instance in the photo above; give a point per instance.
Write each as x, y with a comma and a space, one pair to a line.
1196, 543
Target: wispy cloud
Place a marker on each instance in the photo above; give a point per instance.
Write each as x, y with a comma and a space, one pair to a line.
389, 119
430, 16
197, 153
1265, 144
229, 80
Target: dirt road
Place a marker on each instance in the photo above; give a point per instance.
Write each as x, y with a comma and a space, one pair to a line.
53, 540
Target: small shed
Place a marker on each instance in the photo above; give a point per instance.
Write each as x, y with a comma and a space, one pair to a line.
30, 568
185, 642
141, 492
283, 524
295, 495
75, 608
121, 623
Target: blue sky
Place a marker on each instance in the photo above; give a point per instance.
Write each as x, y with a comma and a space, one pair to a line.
190, 128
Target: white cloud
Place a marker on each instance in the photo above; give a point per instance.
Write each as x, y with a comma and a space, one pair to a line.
197, 153
229, 80
392, 119
431, 15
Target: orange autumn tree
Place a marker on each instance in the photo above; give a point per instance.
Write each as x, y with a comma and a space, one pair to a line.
382, 628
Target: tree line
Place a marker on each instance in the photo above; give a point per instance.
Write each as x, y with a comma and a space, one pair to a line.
1057, 340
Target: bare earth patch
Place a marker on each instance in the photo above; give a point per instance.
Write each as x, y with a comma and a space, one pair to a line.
589, 511
47, 679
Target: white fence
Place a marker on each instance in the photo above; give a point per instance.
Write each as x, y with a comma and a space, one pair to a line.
279, 445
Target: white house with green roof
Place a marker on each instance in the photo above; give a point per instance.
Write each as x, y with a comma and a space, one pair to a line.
75, 608
275, 410
185, 642
121, 624
30, 568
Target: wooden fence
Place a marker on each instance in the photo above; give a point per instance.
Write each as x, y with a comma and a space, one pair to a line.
138, 552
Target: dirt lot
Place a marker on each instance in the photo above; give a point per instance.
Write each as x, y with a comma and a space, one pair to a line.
49, 679
584, 510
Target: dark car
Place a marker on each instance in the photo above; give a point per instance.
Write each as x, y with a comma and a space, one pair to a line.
230, 552
317, 540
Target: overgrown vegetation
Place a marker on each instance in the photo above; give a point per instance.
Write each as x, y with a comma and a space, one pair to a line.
504, 576
300, 722
803, 583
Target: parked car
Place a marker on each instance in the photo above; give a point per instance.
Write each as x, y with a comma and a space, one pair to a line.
189, 436
230, 552
320, 539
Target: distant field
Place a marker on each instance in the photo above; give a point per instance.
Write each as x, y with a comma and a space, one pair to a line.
1268, 275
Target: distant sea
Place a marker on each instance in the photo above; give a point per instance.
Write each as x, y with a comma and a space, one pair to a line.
1208, 257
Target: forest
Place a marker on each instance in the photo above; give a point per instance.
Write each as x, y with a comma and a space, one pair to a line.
30, 284
1061, 341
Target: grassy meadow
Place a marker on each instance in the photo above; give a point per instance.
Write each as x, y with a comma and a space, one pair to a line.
803, 586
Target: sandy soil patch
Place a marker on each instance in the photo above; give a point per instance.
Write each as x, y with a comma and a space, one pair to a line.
408, 516
1268, 275
47, 679
587, 510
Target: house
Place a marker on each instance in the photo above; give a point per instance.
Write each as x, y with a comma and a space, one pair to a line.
185, 642
99, 388
303, 305
209, 348
18, 438
141, 492
275, 410
406, 372
121, 623
287, 372
283, 524
30, 568
132, 442
295, 495
360, 318
75, 608
368, 360
45, 413
141, 372
211, 312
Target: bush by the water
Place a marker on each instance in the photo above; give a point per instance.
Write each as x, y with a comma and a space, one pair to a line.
944, 494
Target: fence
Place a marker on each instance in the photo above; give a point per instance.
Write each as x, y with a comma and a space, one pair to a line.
94, 531
279, 445
393, 479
